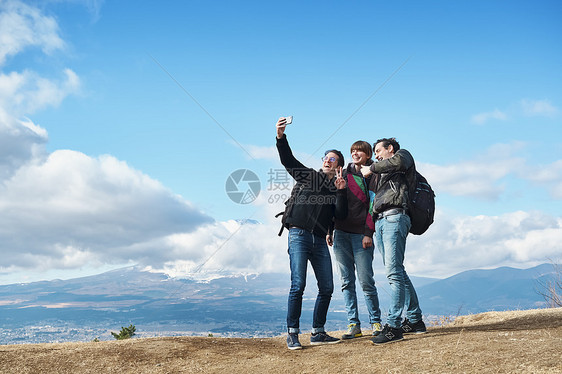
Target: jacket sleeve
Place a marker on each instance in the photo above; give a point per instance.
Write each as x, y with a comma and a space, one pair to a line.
371, 214
341, 204
370, 217
294, 167
401, 161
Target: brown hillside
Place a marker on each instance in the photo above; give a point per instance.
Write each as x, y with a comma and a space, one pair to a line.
496, 342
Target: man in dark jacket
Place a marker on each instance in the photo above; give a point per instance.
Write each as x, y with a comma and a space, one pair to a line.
394, 173
319, 196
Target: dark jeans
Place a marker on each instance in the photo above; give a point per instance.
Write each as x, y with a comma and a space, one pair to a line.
303, 247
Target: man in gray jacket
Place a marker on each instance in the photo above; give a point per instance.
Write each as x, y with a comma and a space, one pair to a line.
394, 173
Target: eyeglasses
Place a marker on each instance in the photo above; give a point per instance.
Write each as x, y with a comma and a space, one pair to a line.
331, 159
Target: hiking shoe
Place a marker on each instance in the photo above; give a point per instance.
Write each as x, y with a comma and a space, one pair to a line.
293, 342
353, 331
413, 328
377, 328
388, 335
323, 338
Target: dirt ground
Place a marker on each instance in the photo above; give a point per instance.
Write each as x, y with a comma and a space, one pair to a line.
495, 342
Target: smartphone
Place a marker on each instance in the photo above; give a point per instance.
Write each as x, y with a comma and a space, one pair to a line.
289, 120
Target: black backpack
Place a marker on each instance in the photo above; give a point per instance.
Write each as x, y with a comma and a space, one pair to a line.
289, 206
422, 205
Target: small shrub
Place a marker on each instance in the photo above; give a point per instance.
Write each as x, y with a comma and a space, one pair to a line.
551, 290
125, 333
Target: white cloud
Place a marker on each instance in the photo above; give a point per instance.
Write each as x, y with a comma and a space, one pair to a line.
86, 211
465, 179
480, 177
484, 177
20, 142
549, 176
23, 26
456, 243
72, 209
261, 152
20, 95
93, 6
24, 93
482, 118
528, 107
452, 245
230, 247
538, 108
66, 210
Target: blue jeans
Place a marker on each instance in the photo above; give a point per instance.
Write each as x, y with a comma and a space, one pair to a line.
390, 235
351, 256
303, 247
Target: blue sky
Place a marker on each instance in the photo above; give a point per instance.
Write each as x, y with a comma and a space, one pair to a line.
120, 123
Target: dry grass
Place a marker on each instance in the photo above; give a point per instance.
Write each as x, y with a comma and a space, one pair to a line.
495, 342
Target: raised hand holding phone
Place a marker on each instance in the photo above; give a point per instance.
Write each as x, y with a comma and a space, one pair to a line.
282, 122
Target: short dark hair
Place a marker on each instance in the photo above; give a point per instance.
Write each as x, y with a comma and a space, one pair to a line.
362, 146
341, 161
386, 142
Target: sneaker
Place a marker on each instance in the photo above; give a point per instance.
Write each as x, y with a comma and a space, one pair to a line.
413, 328
323, 338
388, 335
353, 331
293, 342
377, 328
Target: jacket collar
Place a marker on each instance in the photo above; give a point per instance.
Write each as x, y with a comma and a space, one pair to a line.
351, 167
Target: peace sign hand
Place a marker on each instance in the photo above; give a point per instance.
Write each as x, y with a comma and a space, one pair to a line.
340, 182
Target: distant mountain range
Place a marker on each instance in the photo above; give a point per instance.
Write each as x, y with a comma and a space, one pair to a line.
477, 291
253, 305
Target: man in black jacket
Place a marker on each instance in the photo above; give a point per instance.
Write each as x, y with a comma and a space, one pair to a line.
394, 173
319, 196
